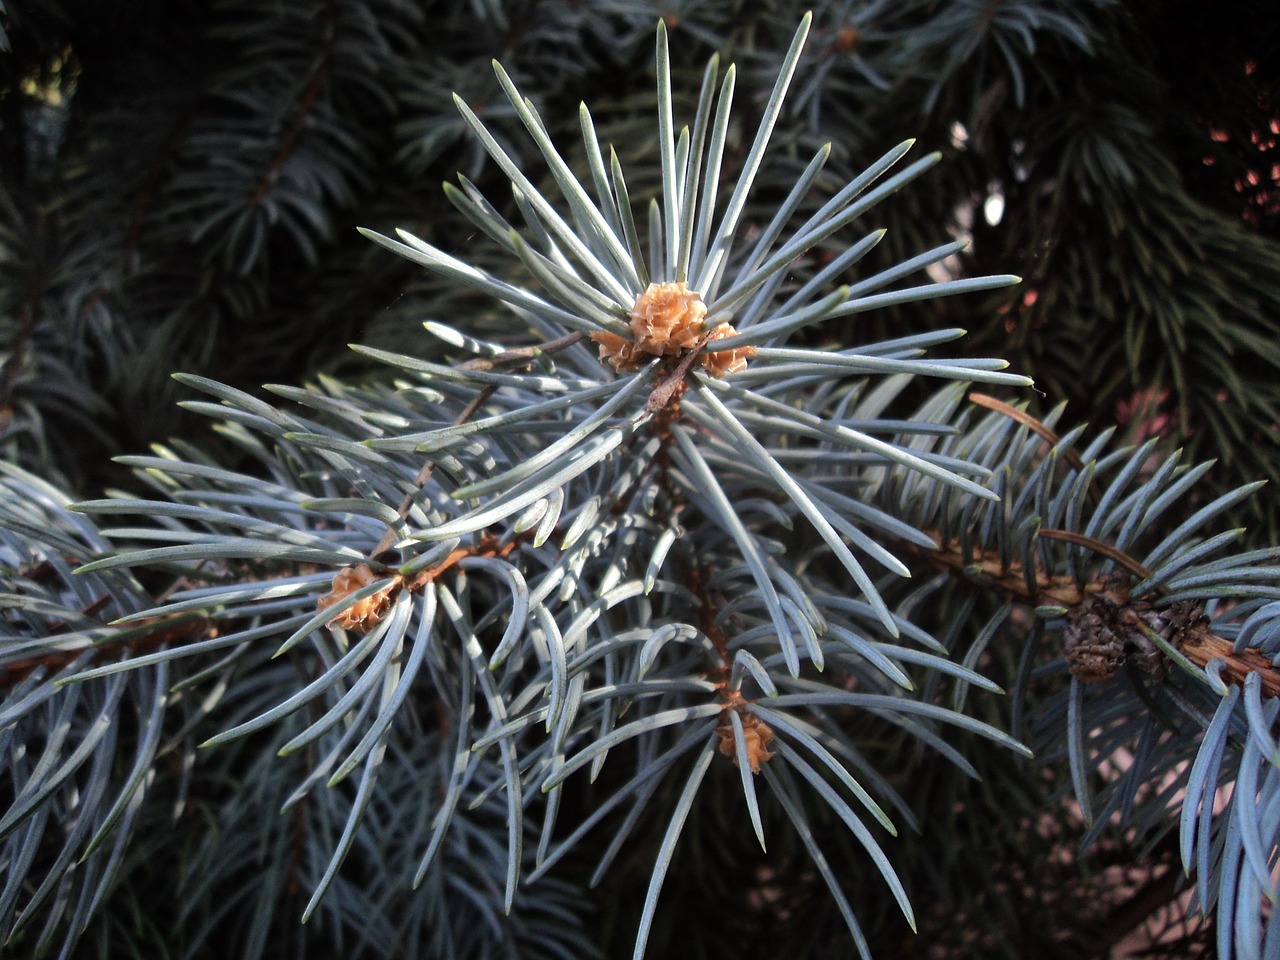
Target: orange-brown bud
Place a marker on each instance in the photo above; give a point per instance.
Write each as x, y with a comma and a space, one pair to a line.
364, 614
667, 320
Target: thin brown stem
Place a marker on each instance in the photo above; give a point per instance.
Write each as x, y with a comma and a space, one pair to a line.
1099, 547
1197, 643
1024, 418
519, 356
13, 365
310, 93
522, 355
674, 385
489, 546
168, 630
1036, 426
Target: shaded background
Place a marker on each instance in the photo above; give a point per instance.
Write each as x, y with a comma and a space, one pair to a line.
180, 183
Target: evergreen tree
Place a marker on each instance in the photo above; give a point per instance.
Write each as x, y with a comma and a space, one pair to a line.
663, 572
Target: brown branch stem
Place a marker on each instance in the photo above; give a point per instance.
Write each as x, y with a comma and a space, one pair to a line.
1198, 644
674, 385
1098, 546
310, 93
518, 356
168, 630
1037, 427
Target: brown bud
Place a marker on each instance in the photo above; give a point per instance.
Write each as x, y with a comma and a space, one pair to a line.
756, 734
1106, 631
364, 614
668, 319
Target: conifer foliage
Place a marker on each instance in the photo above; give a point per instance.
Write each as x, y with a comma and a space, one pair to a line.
662, 569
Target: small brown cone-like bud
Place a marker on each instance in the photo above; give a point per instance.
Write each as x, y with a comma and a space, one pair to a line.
720, 362
667, 320
756, 734
622, 354
365, 614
